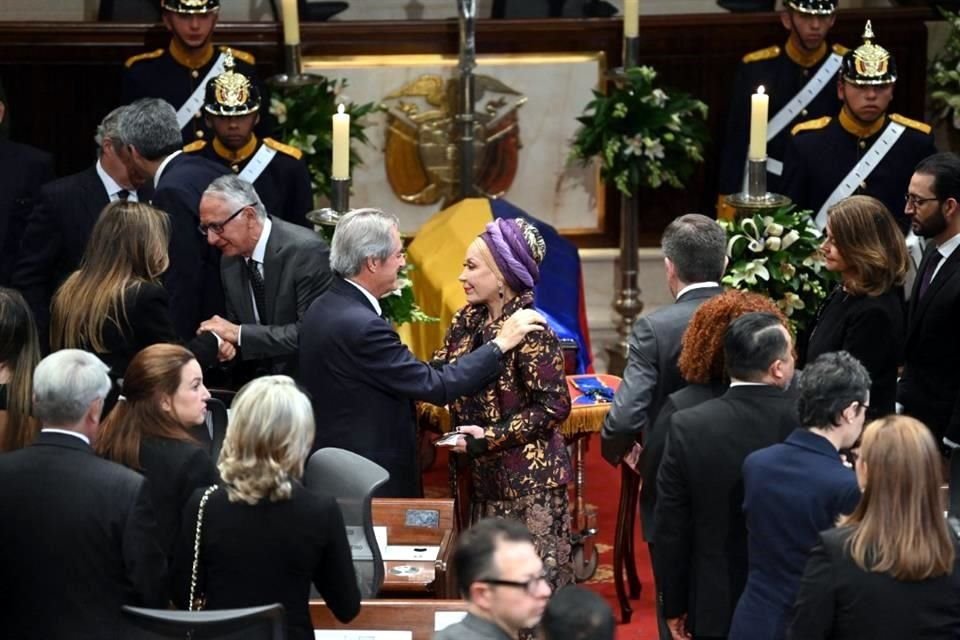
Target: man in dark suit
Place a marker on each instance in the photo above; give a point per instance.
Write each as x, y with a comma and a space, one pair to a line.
80, 539
59, 226
796, 489
151, 138
271, 272
929, 388
701, 538
361, 378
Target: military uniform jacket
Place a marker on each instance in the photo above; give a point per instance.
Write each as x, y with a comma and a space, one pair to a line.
823, 152
283, 185
173, 75
783, 72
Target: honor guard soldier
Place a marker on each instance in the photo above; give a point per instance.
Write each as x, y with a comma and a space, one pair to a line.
861, 150
799, 78
180, 73
276, 170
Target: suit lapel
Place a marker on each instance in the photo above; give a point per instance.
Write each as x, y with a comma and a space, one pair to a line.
946, 272
95, 196
272, 267
914, 292
236, 282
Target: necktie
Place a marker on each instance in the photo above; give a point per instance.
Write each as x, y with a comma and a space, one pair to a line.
259, 292
123, 194
928, 273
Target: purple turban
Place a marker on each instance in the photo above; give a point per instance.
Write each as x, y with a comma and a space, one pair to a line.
517, 248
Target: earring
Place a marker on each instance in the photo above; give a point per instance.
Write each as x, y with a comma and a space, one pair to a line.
500, 290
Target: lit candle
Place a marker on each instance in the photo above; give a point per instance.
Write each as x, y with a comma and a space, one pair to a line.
341, 144
291, 22
631, 21
759, 103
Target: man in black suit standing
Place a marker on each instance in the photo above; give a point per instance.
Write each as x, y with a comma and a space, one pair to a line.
271, 271
80, 535
701, 535
59, 226
361, 378
152, 147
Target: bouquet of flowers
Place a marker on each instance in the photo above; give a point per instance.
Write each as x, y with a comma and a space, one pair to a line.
643, 136
778, 255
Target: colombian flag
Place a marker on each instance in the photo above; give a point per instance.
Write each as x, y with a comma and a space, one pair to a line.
437, 255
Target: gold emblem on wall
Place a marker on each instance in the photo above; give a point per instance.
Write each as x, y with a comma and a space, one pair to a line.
421, 152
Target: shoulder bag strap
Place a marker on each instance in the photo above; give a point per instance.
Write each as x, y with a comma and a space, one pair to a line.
192, 603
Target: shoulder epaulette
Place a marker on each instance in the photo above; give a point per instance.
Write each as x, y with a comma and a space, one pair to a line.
840, 50
283, 148
241, 55
923, 127
811, 125
149, 55
196, 145
762, 54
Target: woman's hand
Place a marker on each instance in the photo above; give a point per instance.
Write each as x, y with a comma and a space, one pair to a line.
469, 430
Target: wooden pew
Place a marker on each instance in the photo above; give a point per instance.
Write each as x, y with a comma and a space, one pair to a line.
417, 616
418, 522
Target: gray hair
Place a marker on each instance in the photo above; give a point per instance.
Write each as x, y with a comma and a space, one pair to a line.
65, 384
109, 129
361, 234
150, 126
238, 192
828, 386
697, 247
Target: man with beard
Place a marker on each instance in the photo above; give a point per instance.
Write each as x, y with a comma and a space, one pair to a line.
929, 388
861, 151
798, 77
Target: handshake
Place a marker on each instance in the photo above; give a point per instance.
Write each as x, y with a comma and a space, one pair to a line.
228, 335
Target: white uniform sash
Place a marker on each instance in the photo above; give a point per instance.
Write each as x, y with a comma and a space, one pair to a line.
257, 163
195, 102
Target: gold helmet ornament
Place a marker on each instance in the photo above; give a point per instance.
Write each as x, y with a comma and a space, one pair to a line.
869, 64
190, 6
812, 7
231, 93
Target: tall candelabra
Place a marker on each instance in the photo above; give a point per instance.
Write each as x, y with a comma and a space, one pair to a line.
339, 204
756, 197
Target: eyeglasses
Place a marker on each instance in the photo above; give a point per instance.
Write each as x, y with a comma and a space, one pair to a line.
217, 227
530, 586
915, 201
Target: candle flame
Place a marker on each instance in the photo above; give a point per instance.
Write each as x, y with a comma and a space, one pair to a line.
340, 106
761, 90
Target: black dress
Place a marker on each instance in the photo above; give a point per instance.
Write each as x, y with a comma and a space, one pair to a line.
269, 552
871, 329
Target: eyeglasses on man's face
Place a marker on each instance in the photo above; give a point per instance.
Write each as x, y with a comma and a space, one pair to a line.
530, 586
916, 201
217, 227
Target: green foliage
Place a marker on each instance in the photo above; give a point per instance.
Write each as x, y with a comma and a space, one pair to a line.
401, 306
943, 76
777, 253
643, 136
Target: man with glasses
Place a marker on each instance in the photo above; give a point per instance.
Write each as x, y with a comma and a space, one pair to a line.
501, 577
864, 150
151, 147
271, 271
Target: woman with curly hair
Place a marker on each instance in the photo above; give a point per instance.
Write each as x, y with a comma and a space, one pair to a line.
264, 537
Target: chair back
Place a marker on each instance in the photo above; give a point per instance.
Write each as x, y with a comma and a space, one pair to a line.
571, 352
352, 479
253, 623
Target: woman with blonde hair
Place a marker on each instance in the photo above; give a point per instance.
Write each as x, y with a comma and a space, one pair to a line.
114, 305
889, 569
864, 315
19, 355
263, 536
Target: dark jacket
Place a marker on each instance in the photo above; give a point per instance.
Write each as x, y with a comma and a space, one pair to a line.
23, 169
78, 542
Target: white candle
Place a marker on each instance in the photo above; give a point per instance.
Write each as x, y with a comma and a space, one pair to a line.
631, 21
291, 22
759, 103
341, 144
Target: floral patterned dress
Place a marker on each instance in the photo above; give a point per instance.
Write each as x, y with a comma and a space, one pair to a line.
520, 467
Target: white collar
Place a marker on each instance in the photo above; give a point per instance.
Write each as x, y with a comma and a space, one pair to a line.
369, 296
112, 186
163, 165
260, 251
69, 433
949, 246
696, 285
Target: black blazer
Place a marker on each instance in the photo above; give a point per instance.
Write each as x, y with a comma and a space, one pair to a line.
78, 542
55, 237
175, 469
840, 601
269, 552
23, 170
193, 278
930, 385
700, 543
362, 381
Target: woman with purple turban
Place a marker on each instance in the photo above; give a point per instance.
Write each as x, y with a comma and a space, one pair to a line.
518, 459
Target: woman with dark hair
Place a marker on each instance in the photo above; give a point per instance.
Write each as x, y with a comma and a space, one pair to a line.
518, 459
864, 314
889, 570
19, 355
162, 398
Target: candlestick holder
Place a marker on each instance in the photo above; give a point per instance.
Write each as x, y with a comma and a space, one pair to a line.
293, 75
631, 51
339, 204
756, 197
